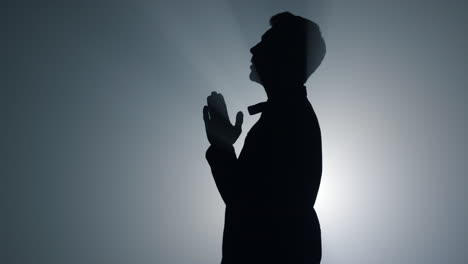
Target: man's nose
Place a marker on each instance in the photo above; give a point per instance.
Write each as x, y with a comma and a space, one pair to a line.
252, 50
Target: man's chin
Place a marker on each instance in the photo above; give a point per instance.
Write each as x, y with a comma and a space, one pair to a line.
253, 76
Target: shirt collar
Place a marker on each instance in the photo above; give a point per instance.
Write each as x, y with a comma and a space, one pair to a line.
257, 108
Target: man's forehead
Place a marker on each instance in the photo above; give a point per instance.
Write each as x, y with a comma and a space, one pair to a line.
268, 34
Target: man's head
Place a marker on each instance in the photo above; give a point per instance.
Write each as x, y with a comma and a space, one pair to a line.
289, 52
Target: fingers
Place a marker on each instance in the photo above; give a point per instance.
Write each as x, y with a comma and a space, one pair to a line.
217, 106
211, 99
239, 120
222, 106
206, 115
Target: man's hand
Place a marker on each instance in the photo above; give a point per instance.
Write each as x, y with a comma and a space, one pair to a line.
219, 129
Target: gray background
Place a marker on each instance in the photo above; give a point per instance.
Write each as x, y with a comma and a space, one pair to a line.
104, 139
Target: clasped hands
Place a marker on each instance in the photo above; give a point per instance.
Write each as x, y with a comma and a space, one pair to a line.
219, 130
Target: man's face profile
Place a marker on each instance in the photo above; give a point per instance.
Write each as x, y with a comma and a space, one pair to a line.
262, 58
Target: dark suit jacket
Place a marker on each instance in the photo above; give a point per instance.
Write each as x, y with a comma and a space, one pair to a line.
270, 190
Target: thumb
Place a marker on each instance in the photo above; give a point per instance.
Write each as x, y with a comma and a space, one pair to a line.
239, 120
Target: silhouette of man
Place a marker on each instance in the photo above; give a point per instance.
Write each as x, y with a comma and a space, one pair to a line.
270, 190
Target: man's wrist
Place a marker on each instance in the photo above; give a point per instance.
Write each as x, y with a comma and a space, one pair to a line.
222, 147
216, 152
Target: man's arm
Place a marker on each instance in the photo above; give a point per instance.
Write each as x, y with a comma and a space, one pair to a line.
224, 167
222, 135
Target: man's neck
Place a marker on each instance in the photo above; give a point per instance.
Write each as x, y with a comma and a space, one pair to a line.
292, 94
285, 92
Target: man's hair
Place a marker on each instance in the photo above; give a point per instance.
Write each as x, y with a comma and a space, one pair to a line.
303, 43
